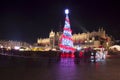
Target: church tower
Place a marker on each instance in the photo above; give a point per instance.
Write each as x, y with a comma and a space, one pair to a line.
52, 39
102, 33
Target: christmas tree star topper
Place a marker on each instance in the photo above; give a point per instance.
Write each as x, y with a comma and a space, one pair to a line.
66, 11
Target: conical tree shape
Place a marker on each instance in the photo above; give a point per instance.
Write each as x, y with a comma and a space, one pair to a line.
66, 39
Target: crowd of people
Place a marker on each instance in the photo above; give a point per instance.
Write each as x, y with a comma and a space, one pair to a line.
90, 55
86, 54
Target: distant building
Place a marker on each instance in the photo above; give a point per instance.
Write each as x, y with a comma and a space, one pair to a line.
89, 39
12, 44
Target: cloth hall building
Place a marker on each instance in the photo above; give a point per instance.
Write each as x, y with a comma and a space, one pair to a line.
88, 39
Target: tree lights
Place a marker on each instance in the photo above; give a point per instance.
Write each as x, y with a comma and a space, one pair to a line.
66, 39
66, 11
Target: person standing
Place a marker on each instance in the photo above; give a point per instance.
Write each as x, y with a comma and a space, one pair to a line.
77, 57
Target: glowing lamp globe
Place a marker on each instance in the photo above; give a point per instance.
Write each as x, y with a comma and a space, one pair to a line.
66, 11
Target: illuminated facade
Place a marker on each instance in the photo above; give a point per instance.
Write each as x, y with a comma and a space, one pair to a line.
52, 41
12, 44
89, 39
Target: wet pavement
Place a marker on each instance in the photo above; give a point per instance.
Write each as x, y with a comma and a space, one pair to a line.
65, 69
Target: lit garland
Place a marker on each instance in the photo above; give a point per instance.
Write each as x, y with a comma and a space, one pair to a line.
66, 39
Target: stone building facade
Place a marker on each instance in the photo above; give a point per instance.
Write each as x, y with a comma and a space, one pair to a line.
89, 39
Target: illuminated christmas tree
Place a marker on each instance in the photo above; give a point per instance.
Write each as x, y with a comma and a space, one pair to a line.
66, 44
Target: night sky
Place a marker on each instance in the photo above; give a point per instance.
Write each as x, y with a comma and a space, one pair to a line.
27, 20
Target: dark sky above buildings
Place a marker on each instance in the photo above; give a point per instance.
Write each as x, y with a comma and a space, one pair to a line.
27, 20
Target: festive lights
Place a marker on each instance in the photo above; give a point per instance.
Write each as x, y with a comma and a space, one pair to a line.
66, 11
66, 39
